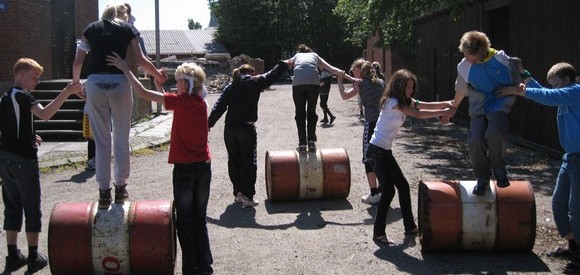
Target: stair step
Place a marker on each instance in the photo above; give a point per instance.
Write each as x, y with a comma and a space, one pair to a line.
60, 135
58, 124
57, 84
51, 94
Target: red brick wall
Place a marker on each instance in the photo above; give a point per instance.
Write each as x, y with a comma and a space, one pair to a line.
390, 60
26, 28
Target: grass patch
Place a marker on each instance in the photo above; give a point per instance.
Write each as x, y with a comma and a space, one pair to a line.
143, 152
64, 167
151, 150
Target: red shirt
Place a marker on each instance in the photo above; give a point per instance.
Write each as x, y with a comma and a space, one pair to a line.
189, 131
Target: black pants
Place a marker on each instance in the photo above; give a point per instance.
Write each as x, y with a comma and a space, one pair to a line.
90, 149
305, 98
241, 141
390, 176
324, 104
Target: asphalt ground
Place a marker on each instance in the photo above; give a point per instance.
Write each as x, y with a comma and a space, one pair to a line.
330, 236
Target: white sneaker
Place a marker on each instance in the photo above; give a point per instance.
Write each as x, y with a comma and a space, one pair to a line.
368, 198
239, 198
90, 165
249, 203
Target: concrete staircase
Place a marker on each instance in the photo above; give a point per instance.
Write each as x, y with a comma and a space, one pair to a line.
66, 124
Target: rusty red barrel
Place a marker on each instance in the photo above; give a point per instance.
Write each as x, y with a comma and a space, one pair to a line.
452, 218
131, 238
323, 174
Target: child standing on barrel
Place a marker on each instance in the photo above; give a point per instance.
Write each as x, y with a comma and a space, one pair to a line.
396, 103
189, 152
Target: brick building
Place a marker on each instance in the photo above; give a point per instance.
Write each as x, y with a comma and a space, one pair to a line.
44, 30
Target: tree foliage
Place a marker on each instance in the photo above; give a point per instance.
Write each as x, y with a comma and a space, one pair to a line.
391, 19
193, 25
271, 29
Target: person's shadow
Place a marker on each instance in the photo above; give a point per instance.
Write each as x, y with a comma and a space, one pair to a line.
309, 215
81, 177
234, 216
464, 262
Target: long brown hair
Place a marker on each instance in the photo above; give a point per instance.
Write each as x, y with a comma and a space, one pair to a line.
397, 86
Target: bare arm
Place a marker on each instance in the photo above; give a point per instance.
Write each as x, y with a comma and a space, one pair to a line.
78, 62
117, 61
348, 94
47, 112
432, 105
426, 113
78, 66
334, 70
145, 63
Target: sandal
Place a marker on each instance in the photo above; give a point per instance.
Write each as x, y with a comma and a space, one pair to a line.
383, 239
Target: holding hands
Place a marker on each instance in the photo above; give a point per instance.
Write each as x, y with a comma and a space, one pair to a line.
121, 64
512, 90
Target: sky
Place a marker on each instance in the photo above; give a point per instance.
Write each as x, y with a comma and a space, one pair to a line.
173, 14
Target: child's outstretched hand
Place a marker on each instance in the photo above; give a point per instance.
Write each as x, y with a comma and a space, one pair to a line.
117, 61
511, 90
340, 77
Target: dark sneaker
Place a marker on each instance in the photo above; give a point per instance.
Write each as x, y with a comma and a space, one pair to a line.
15, 263
411, 232
104, 198
312, 146
332, 118
560, 252
37, 264
247, 202
90, 165
571, 268
324, 120
301, 148
480, 187
501, 178
121, 194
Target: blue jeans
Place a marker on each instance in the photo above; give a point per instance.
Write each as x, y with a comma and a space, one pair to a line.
20, 192
191, 184
566, 197
390, 176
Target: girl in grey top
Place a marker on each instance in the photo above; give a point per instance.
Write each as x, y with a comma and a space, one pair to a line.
370, 90
305, 88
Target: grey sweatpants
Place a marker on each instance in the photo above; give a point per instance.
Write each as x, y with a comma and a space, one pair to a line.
110, 104
487, 135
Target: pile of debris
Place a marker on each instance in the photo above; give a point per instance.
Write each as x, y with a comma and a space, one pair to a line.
218, 68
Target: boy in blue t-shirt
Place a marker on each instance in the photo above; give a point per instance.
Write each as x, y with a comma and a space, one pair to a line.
566, 197
479, 75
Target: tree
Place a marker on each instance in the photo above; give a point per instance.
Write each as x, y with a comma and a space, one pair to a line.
392, 19
271, 29
193, 25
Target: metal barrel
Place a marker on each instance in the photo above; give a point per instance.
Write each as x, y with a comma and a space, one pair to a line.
452, 218
131, 238
323, 174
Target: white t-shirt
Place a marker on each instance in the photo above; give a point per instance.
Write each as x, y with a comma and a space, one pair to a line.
388, 124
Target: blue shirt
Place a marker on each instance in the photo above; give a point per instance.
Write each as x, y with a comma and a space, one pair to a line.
481, 80
567, 99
